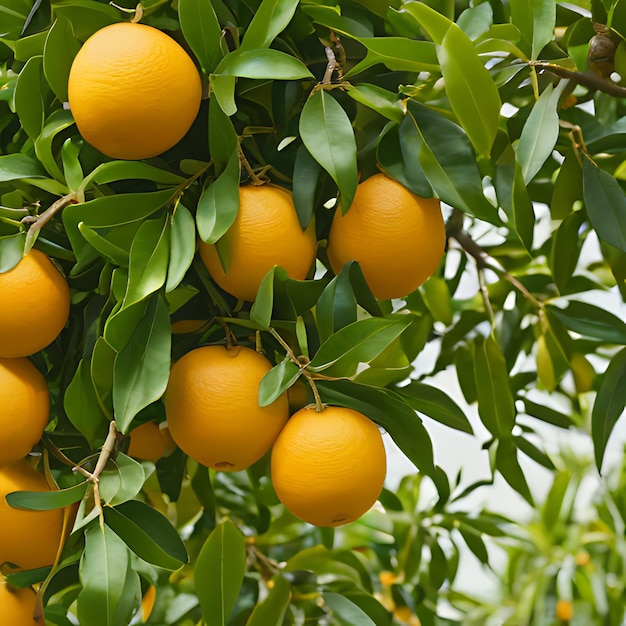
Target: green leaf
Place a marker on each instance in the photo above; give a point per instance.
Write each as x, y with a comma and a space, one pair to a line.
345, 612
277, 381
182, 246
104, 558
270, 19
16, 166
540, 132
219, 203
142, 367
568, 187
378, 99
202, 32
11, 251
148, 261
261, 311
337, 305
390, 412
327, 133
609, 404
359, 342
72, 168
536, 20
264, 63
223, 88
85, 16
30, 97
496, 406
46, 500
271, 611
307, 175
122, 481
346, 24
58, 121
552, 508
606, 205
113, 171
473, 95
435, 403
82, 406
565, 250
14, 14
219, 573
591, 321
507, 464
223, 141
147, 533
103, 244
59, 52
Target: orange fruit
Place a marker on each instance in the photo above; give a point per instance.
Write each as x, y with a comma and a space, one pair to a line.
25, 403
29, 539
17, 605
564, 610
149, 442
397, 237
35, 304
265, 233
328, 467
133, 91
212, 407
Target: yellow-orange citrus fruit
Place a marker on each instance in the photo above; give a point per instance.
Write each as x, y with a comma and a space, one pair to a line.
133, 91
25, 403
29, 539
564, 610
17, 606
265, 233
34, 305
149, 442
328, 467
397, 237
212, 407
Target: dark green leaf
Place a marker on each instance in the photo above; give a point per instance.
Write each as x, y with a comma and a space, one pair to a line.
606, 205
59, 52
30, 95
337, 306
202, 32
147, 533
142, 367
566, 247
219, 573
112, 171
11, 251
327, 133
609, 404
306, 178
507, 464
46, 500
345, 612
591, 321
122, 481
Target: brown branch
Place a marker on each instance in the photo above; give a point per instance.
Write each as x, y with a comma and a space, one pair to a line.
587, 79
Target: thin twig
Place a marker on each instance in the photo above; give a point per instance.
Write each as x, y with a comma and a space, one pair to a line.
45, 217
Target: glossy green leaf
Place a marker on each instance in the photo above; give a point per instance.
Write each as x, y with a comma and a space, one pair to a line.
390, 412
57, 122
307, 174
86, 17
535, 19
182, 246
223, 140
277, 381
148, 261
606, 205
565, 251
435, 403
568, 187
547, 414
14, 14
609, 404
122, 481
337, 305
223, 90
261, 311
142, 367
378, 99
327, 133
540, 132
359, 342
72, 169
219, 573
16, 166
46, 500
30, 96
11, 251
264, 63
495, 400
341, 22
345, 612
270, 19
112, 171
202, 31
508, 465
591, 321
147, 533
59, 52
102, 568
219, 203
271, 611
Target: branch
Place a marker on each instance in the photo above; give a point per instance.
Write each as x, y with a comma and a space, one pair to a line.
587, 79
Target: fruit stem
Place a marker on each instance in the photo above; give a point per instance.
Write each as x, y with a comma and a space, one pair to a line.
256, 179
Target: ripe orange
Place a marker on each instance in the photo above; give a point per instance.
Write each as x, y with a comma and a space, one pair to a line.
149, 442
25, 403
397, 237
265, 233
17, 606
564, 610
328, 467
29, 539
35, 305
133, 91
212, 407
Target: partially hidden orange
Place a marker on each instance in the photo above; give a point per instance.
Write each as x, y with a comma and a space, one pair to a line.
133, 91
328, 467
149, 442
25, 403
29, 539
265, 234
212, 408
34, 305
17, 605
397, 237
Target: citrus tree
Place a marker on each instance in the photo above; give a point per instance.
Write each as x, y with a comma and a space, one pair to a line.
215, 214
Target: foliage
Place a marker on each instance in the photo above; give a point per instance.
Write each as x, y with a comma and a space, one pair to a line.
487, 106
